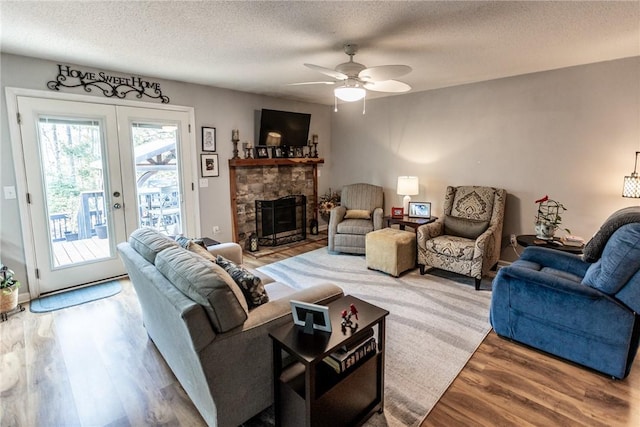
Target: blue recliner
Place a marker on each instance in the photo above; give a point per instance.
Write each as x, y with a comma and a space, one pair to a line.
581, 311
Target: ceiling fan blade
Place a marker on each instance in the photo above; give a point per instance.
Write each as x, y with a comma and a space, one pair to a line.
311, 83
383, 72
328, 72
387, 86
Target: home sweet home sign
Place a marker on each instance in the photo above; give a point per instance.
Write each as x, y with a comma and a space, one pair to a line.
109, 85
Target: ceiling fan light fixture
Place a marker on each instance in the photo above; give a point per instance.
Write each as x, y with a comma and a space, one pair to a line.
349, 93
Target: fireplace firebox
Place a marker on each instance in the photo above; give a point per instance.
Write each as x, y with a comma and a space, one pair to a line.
282, 220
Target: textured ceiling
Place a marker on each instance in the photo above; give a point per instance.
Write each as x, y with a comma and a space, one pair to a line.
259, 47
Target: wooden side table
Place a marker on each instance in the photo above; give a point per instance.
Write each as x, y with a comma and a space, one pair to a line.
525, 240
405, 221
309, 392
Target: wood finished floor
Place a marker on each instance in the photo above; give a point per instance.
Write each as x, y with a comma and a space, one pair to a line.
93, 365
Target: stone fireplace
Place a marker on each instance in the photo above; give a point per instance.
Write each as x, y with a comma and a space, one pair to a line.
254, 180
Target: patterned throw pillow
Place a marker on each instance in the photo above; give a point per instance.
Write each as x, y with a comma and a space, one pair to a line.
251, 285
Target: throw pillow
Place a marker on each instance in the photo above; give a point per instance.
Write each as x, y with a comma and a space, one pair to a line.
463, 227
197, 249
148, 243
357, 214
250, 284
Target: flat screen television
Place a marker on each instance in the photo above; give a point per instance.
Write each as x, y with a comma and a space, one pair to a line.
278, 128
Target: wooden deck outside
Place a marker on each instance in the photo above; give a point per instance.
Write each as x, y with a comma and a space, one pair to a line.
81, 250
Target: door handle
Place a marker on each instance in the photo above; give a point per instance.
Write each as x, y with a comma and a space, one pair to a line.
117, 205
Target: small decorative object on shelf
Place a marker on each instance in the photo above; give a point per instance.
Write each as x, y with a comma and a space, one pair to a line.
8, 293
315, 146
397, 213
346, 317
327, 202
252, 242
548, 218
235, 137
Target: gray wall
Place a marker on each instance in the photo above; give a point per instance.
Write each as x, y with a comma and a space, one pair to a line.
570, 133
219, 108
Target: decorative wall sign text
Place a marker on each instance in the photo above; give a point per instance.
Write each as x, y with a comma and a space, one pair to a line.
110, 86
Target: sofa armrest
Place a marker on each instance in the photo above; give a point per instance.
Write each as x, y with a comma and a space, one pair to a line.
231, 251
558, 260
378, 217
429, 231
321, 294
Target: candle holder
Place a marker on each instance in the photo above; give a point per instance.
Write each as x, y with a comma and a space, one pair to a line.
315, 150
249, 151
235, 139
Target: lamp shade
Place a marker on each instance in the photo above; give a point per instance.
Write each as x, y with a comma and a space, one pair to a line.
631, 185
349, 93
408, 185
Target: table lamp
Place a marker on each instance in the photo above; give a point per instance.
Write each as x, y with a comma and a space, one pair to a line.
407, 187
631, 186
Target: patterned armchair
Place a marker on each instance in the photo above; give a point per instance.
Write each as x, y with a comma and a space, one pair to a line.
360, 211
466, 240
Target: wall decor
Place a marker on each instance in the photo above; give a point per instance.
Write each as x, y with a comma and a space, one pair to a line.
397, 212
208, 139
110, 86
209, 165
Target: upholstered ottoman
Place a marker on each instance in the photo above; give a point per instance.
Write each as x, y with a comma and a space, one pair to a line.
391, 250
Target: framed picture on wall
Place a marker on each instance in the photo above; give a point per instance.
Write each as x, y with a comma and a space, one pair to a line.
209, 165
419, 210
208, 139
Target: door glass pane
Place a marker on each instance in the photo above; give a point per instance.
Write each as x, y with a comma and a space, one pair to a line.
157, 179
72, 162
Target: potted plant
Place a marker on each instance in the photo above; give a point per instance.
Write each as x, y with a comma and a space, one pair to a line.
548, 218
8, 289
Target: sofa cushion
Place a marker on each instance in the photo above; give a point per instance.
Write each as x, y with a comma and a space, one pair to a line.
357, 214
594, 247
205, 283
619, 262
463, 227
355, 226
250, 284
452, 246
148, 243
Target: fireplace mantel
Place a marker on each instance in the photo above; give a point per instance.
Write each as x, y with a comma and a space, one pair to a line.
247, 177
238, 163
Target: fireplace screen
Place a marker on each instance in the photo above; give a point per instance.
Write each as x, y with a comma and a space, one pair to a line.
282, 220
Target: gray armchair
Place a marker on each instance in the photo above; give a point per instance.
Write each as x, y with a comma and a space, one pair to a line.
466, 239
361, 210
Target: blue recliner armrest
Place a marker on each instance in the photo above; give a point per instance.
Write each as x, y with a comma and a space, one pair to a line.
557, 260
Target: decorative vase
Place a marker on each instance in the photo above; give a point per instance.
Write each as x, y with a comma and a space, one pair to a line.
8, 299
545, 231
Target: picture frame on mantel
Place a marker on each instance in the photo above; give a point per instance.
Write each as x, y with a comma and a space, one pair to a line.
208, 139
210, 167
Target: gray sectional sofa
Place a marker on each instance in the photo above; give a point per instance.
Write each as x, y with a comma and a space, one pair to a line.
217, 347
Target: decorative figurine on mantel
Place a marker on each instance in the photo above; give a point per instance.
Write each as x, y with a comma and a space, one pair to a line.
315, 146
235, 137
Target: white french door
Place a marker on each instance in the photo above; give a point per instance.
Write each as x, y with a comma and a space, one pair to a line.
94, 173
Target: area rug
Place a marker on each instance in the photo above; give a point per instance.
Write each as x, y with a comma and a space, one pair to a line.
75, 297
434, 326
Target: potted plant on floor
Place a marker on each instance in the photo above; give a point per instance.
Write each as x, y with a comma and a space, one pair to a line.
8, 289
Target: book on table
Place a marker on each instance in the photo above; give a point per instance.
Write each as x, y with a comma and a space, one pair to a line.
342, 360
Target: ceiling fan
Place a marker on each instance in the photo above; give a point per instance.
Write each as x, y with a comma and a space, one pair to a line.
355, 78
